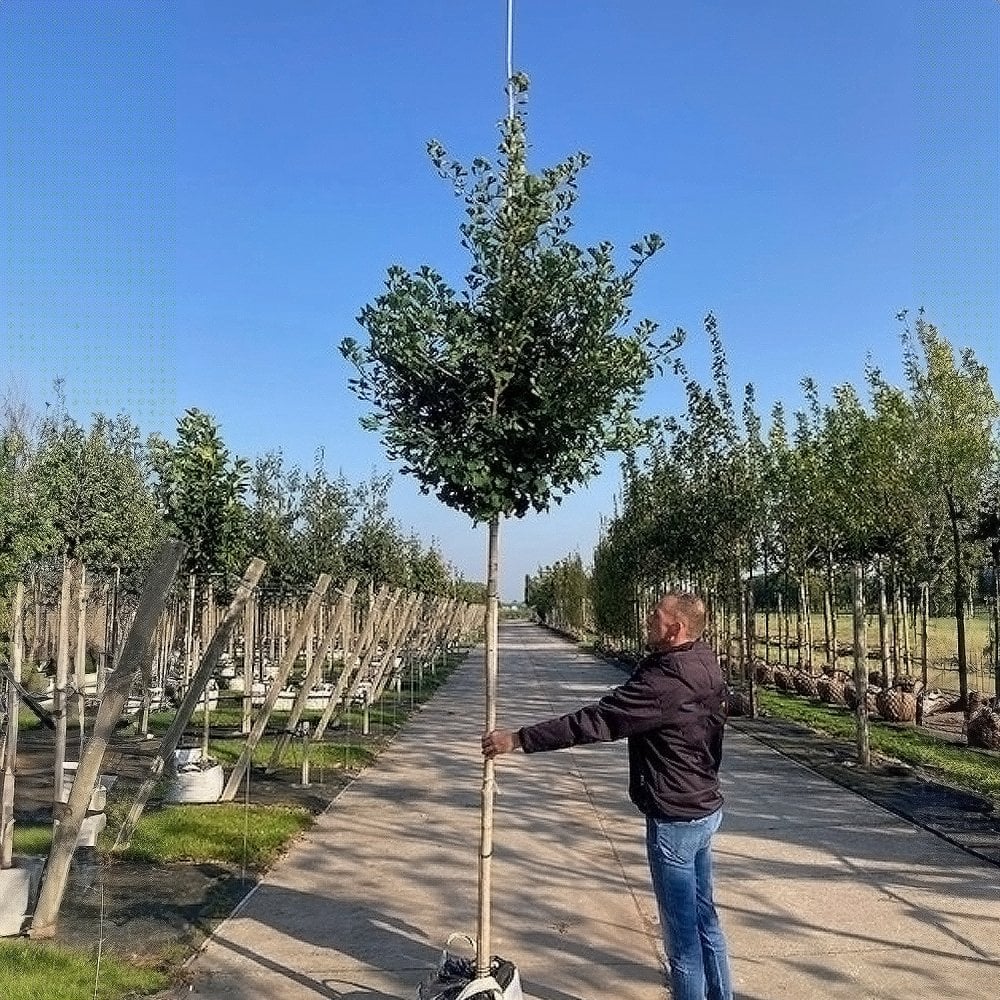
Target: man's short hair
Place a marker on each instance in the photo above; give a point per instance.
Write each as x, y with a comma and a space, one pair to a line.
689, 607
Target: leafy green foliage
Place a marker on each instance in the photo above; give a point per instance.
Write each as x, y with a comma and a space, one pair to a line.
504, 396
200, 488
560, 594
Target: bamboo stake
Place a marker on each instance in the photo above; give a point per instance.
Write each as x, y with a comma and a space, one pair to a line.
187, 707
284, 668
136, 649
491, 672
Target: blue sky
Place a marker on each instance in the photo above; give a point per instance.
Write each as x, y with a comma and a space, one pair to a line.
200, 197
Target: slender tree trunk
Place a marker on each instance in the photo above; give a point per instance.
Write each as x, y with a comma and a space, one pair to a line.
80, 659
767, 610
782, 653
904, 617
925, 602
960, 587
800, 623
831, 589
861, 668
62, 674
883, 628
995, 550
491, 673
189, 633
10, 748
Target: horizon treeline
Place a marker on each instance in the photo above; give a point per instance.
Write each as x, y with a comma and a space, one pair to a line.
106, 495
903, 480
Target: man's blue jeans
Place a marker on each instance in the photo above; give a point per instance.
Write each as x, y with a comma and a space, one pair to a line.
680, 861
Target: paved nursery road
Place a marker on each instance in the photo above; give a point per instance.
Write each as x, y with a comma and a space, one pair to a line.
824, 895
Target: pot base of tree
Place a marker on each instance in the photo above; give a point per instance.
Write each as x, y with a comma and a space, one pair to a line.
18, 891
984, 729
195, 786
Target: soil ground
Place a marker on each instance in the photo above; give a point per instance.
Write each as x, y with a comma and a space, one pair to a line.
145, 912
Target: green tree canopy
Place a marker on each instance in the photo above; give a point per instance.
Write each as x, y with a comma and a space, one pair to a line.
504, 396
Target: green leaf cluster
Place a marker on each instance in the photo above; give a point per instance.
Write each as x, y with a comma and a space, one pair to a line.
501, 397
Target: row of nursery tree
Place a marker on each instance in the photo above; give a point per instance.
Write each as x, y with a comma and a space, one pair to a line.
901, 479
104, 495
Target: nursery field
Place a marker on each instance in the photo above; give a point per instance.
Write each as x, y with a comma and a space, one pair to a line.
132, 916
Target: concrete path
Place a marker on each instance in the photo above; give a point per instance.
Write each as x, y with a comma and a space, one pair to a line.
823, 894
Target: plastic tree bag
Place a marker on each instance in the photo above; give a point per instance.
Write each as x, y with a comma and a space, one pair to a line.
455, 978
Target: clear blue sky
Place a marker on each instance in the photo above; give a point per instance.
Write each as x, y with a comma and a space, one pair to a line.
199, 197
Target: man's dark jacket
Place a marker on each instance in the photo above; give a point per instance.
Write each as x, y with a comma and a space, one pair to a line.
672, 710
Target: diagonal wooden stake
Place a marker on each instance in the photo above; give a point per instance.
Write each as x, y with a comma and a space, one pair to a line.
292, 651
199, 682
298, 706
135, 651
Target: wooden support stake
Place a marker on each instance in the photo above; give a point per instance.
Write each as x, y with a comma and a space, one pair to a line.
353, 673
136, 649
187, 707
284, 669
312, 675
400, 633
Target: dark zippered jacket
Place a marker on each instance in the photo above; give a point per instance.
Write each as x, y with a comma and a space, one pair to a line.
672, 711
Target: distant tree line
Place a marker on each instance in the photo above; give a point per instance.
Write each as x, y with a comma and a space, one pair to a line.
765, 514
103, 494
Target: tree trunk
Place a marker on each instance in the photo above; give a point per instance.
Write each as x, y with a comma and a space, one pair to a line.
80, 659
62, 674
136, 649
963, 661
883, 626
861, 668
491, 672
800, 623
925, 603
781, 622
10, 748
995, 550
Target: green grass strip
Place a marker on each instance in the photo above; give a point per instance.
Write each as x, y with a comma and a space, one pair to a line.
32, 838
953, 764
33, 971
227, 832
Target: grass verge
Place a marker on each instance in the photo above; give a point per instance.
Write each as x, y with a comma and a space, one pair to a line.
227, 832
956, 765
32, 971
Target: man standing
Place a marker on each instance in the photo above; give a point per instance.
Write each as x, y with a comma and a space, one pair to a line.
672, 712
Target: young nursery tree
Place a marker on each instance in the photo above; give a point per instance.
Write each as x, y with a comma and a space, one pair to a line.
503, 397
955, 410
200, 489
